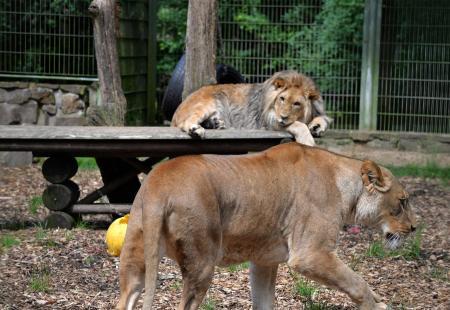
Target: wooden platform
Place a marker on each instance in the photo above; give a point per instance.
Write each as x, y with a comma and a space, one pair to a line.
132, 141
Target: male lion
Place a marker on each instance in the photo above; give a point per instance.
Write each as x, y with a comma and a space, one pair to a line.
286, 204
283, 102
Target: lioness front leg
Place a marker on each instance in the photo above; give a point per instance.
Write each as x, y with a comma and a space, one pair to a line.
327, 268
301, 133
262, 280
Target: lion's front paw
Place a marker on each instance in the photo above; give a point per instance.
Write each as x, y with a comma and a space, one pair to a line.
197, 131
318, 126
301, 133
218, 123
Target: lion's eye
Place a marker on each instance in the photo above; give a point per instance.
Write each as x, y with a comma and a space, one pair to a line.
397, 210
297, 104
282, 98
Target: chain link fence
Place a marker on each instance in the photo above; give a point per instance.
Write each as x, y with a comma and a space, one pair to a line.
46, 39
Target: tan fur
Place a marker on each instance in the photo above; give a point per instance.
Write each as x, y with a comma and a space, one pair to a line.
279, 103
286, 204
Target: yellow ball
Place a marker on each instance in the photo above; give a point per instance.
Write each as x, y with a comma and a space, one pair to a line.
115, 235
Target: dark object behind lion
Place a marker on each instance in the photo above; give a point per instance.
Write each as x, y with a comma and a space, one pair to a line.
172, 96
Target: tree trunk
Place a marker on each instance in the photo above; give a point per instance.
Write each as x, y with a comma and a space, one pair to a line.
200, 67
111, 109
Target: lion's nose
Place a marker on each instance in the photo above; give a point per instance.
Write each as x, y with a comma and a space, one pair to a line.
283, 117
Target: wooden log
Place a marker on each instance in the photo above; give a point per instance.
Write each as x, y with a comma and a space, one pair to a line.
57, 197
57, 169
111, 110
59, 220
200, 68
100, 208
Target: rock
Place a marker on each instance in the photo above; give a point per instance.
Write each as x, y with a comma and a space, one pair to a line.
8, 115
381, 144
18, 96
28, 112
409, 145
46, 85
76, 89
42, 118
58, 98
93, 95
17, 84
4, 95
433, 257
38, 93
16, 159
360, 136
71, 105
50, 99
49, 108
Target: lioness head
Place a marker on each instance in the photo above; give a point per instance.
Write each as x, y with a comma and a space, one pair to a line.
291, 98
392, 210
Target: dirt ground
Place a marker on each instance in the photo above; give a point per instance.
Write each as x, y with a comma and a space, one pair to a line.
61, 269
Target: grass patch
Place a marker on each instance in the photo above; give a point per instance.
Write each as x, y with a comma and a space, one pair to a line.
304, 288
34, 204
8, 241
86, 163
439, 273
40, 281
208, 304
410, 249
238, 267
80, 224
430, 170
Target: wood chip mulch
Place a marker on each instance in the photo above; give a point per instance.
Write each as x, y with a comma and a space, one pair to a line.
70, 269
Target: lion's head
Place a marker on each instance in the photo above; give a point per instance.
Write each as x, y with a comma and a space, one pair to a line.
392, 210
289, 97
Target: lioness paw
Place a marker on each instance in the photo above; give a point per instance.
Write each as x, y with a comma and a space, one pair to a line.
301, 133
218, 123
380, 306
197, 131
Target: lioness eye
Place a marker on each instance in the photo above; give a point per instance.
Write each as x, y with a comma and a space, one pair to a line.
296, 104
282, 98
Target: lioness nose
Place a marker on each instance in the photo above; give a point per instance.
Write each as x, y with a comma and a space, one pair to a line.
283, 117
413, 228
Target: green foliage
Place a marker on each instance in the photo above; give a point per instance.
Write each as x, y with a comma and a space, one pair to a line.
86, 163
40, 281
430, 170
8, 241
208, 304
440, 273
238, 267
34, 204
80, 224
304, 288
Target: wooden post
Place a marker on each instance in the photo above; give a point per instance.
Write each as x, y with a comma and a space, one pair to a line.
201, 44
111, 109
370, 65
57, 169
151, 62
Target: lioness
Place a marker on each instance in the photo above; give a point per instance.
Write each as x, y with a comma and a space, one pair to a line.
286, 101
286, 204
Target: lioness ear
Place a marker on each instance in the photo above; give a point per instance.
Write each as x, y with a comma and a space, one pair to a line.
372, 177
279, 83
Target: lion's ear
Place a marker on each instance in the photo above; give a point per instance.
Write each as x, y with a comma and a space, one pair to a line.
372, 177
279, 83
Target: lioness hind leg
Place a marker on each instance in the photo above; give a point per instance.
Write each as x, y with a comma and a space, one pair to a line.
132, 268
327, 268
262, 280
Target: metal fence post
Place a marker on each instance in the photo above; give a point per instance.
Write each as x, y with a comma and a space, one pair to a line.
151, 62
370, 65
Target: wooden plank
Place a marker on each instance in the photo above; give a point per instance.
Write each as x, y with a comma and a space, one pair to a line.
128, 133
132, 141
98, 208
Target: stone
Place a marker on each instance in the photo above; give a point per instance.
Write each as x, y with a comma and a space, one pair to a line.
47, 85
49, 108
72, 88
50, 99
38, 93
42, 118
4, 95
8, 115
16, 159
19, 96
408, 145
58, 98
17, 84
360, 136
71, 103
93, 95
28, 112
381, 144
430, 146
